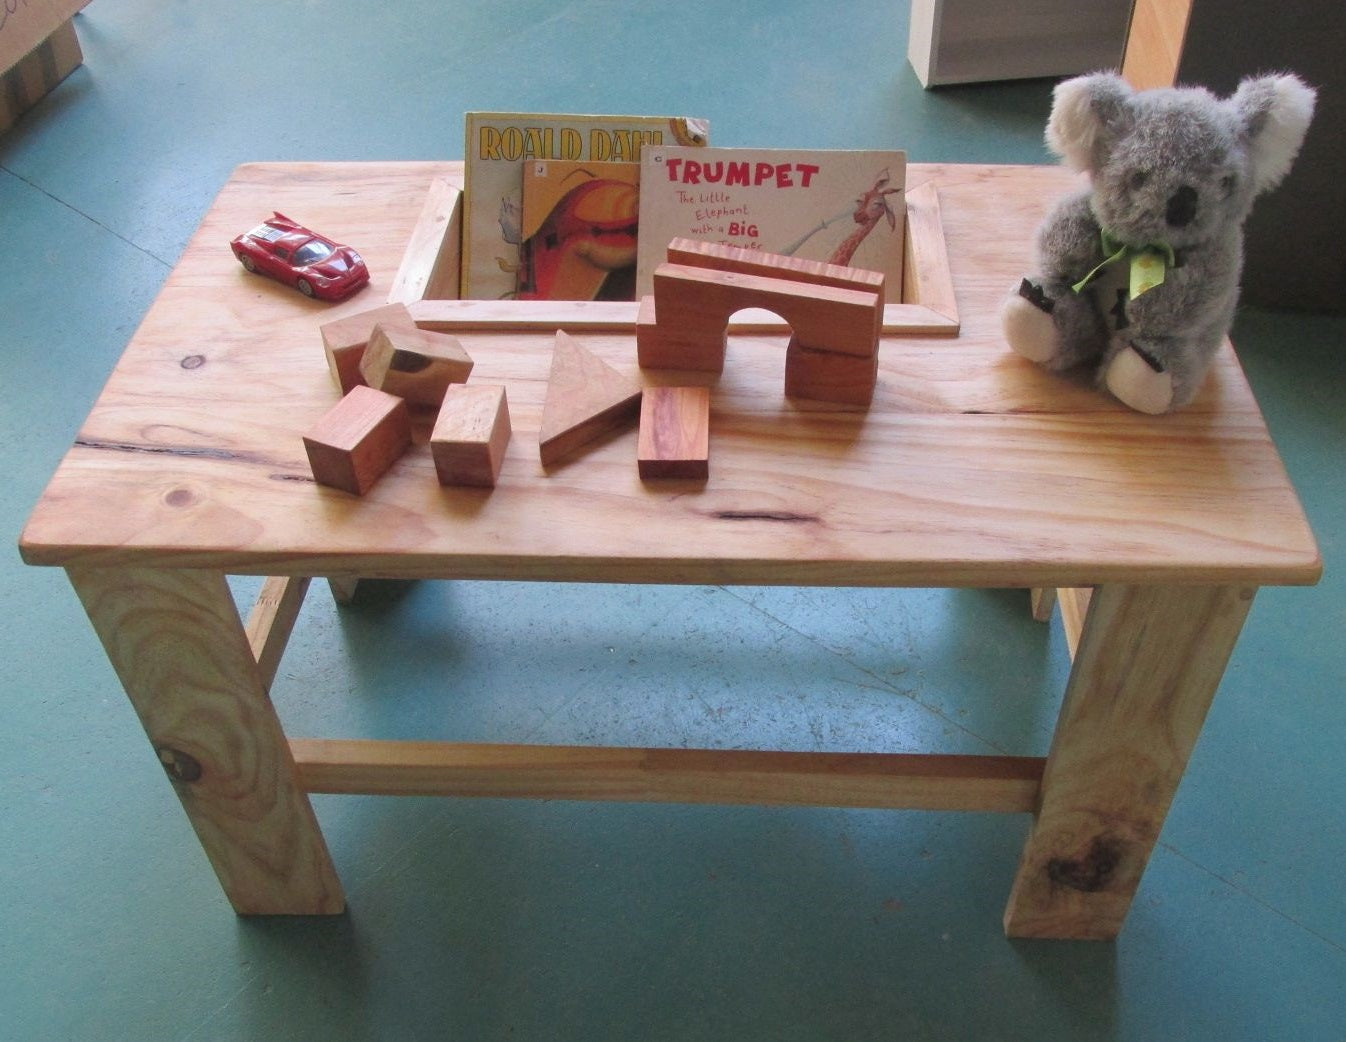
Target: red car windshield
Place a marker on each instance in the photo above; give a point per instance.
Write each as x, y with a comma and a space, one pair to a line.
312, 252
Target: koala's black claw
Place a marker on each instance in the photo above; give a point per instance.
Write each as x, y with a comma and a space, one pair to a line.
1036, 296
1148, 358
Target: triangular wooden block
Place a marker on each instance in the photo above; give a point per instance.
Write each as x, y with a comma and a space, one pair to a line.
586, 397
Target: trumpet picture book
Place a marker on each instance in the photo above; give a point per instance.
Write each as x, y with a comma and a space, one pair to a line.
840, 207
497, 146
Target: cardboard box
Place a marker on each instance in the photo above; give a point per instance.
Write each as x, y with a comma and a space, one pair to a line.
38, 49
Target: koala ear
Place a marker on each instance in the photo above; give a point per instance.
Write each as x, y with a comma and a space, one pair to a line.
1273, 113
1088, 114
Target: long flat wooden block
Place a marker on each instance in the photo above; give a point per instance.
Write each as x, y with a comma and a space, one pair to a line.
414, 364
358, 439
823, 376
675, 433
700, 301
345, 339
891, 780
586, 398
430, 265
926, 278
620, 316
470, 435
697, 254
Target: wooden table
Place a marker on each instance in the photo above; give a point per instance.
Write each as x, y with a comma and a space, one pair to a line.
972, 468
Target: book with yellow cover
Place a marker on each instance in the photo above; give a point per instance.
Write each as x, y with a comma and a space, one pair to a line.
839, 207
497, 146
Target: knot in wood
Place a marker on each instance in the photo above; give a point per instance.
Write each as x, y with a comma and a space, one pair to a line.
180, 766
1093, 871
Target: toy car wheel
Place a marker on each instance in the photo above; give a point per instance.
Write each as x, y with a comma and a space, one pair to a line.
303, 286
248, 263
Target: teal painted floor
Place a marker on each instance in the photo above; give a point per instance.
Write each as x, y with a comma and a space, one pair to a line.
516, 920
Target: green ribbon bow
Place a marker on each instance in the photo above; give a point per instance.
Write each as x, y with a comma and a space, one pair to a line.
1148, 263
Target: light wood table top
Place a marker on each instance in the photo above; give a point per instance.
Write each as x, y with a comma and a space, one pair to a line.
971, 468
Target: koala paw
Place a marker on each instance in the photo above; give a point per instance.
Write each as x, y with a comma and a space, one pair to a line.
1026, 318
1137, 380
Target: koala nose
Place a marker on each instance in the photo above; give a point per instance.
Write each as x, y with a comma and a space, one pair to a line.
1181, 207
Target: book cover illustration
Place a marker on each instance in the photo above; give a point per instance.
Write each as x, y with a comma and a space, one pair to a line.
497, 146
840, 207
579, 230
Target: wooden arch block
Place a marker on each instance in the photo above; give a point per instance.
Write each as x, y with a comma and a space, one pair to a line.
586, 398
835, 315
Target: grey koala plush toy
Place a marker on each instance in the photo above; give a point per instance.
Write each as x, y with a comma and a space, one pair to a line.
1138, 274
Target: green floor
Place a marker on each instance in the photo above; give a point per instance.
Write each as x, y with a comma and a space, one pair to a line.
518, 920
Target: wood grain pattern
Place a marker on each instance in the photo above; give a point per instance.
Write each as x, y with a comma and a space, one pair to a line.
926, 275
176, 642
1149, 662
1074, 603
913, 781
586, 398
431, 262
971, 466
699, 254
470, 435
674, 433
272, 619
1042, 602
696, 302
822, 376
1154, 42
345, 339
416, 365
621, 316
358, 439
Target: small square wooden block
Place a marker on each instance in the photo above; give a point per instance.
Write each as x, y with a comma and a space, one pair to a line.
674, 433
358, 439
470, 435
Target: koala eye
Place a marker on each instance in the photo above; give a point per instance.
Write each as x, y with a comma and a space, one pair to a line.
1227, 184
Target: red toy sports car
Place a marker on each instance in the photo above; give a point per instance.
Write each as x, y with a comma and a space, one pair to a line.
298, 257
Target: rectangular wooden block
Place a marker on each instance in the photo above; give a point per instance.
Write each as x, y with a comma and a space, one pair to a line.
345, 339
470, 435
414, 364
358, 439
674, 433
671, 346
697, 254
824, 376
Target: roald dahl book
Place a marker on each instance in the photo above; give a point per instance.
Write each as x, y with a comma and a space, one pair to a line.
497, 145
841, 207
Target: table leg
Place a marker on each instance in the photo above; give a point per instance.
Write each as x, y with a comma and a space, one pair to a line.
179, 647
1149, 662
